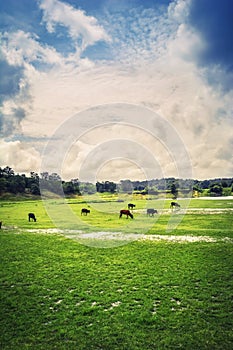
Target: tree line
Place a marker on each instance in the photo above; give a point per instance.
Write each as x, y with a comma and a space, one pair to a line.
21, 184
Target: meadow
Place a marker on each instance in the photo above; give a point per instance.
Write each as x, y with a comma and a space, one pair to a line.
62, 293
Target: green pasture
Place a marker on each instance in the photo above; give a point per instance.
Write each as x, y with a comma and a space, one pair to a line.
203, 216
146, 295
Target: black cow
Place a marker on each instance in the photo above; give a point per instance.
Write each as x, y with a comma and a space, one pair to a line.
151, 212
85, 211
125, 212
174, 205
0, 224
31, 216
131, 206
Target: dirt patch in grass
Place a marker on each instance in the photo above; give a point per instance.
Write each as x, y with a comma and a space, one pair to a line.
120, 236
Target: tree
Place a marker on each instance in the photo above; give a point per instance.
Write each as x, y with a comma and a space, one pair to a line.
7, 171
224, 184
197, 188
35, 189
110, 186
205, 184
12, 185
44, 175
153, 190
106, 186
216, 189
126, 186
20, 183
100, 187
3, 185
34, 175
87, 187
54, 177
70, 188
174, 190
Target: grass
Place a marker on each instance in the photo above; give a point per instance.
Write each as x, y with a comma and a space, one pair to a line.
105, 213
59, 294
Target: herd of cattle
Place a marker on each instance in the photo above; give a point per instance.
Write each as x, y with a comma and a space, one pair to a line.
126, 212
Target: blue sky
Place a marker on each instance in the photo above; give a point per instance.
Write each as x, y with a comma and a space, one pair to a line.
62, 57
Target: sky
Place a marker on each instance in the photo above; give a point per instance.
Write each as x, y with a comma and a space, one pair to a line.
112, 89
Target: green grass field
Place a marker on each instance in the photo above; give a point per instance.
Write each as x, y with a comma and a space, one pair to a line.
59, 294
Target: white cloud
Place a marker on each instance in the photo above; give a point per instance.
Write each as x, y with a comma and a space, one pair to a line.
120, 169
186, 45
153, 66
175, 90
22, 158
79, 25
21, 48
178, 10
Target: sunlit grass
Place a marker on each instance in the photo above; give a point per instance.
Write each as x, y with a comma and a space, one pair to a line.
104, 216
58, 294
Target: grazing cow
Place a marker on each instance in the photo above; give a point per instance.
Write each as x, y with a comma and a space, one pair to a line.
131, 206
85, 211
0, 224
125, 212
151, 212
174, 205
31, 216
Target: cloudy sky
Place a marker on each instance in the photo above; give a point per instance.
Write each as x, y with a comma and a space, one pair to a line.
84, 77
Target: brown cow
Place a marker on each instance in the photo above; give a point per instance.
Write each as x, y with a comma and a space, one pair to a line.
125, 212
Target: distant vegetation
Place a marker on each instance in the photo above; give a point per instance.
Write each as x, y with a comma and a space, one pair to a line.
16, 184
